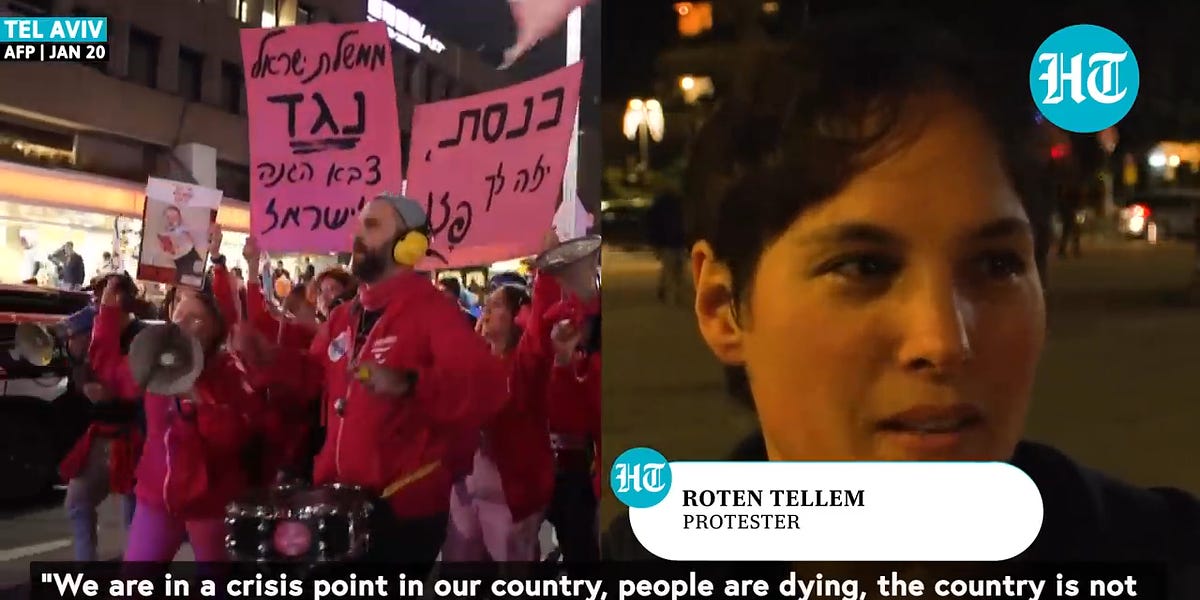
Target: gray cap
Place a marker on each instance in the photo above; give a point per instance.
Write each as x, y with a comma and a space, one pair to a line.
410, 211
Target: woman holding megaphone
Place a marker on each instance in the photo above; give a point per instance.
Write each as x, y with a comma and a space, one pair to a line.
202, 418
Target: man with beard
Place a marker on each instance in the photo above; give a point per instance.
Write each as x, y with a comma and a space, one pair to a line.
402, 375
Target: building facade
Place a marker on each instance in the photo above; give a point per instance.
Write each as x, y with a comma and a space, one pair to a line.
78, 142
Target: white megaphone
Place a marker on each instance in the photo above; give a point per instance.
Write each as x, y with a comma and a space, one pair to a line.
165, 360
35, 343
575, 264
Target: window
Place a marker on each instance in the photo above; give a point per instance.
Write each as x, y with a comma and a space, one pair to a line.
143, 57
270, 13
695, 18
31, 7
231, 88
34, 145
405, 147
191, 74
83, 12
431, 80
416, 72
403, 69
234, 180
243, 11
303, 14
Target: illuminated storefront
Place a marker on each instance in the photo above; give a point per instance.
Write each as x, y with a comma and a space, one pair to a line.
48, 208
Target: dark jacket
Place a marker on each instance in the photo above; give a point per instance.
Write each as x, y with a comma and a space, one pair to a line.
664, 222
1088, 517
74, 271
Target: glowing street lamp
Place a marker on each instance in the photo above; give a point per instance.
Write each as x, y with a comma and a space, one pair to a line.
644, 121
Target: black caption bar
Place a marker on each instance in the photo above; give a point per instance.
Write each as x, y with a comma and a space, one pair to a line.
79, 52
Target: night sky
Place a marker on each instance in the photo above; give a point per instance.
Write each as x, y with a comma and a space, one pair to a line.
634, 33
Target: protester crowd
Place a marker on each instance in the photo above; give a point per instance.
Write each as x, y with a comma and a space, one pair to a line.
469, 419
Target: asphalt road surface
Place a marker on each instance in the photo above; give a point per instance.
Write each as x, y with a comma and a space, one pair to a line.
1118, 388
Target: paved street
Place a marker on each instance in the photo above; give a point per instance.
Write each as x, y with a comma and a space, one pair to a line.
1119, 387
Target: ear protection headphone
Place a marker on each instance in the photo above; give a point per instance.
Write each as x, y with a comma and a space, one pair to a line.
410, 248
411, 245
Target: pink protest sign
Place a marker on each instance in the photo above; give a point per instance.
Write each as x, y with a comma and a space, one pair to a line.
324, 132
489, 168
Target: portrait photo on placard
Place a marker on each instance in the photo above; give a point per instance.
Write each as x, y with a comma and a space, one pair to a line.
176, 224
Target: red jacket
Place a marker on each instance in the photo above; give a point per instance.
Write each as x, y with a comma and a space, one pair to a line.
518, 439
111, 369
574, 395
195, 458
288, 418
573, 400
403, 442
573, 390
192, 465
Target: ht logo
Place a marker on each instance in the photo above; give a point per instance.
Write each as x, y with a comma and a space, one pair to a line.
1103, 77
641, 477
1084, 78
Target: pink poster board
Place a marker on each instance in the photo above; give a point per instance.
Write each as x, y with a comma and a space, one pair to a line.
324, 131
489, 168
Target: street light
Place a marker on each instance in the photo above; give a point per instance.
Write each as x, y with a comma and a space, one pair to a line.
644, 121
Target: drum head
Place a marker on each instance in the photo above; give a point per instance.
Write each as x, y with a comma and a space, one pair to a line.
567, 253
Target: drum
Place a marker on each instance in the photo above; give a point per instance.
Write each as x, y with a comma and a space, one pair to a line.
294, 523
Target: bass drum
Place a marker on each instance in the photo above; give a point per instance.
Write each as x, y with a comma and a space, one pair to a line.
295, 523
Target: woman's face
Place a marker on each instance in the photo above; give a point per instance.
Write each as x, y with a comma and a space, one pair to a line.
901, 319
331, 289
497, 319
191, 314
173, 217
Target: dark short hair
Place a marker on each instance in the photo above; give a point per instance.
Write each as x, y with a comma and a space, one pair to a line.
514, 297
452, 284
816, 112
130, 294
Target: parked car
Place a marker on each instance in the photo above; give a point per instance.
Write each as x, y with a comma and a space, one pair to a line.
41, 415
1160, 214
623, 221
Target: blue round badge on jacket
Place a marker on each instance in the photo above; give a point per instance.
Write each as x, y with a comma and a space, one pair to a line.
641, 477
1084, 78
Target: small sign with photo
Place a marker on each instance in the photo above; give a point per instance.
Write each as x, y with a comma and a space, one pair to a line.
176, 222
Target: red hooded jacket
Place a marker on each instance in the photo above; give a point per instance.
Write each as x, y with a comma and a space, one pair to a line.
518, 439
111, 369
398, 446
573, 390
192, 464
574, 394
